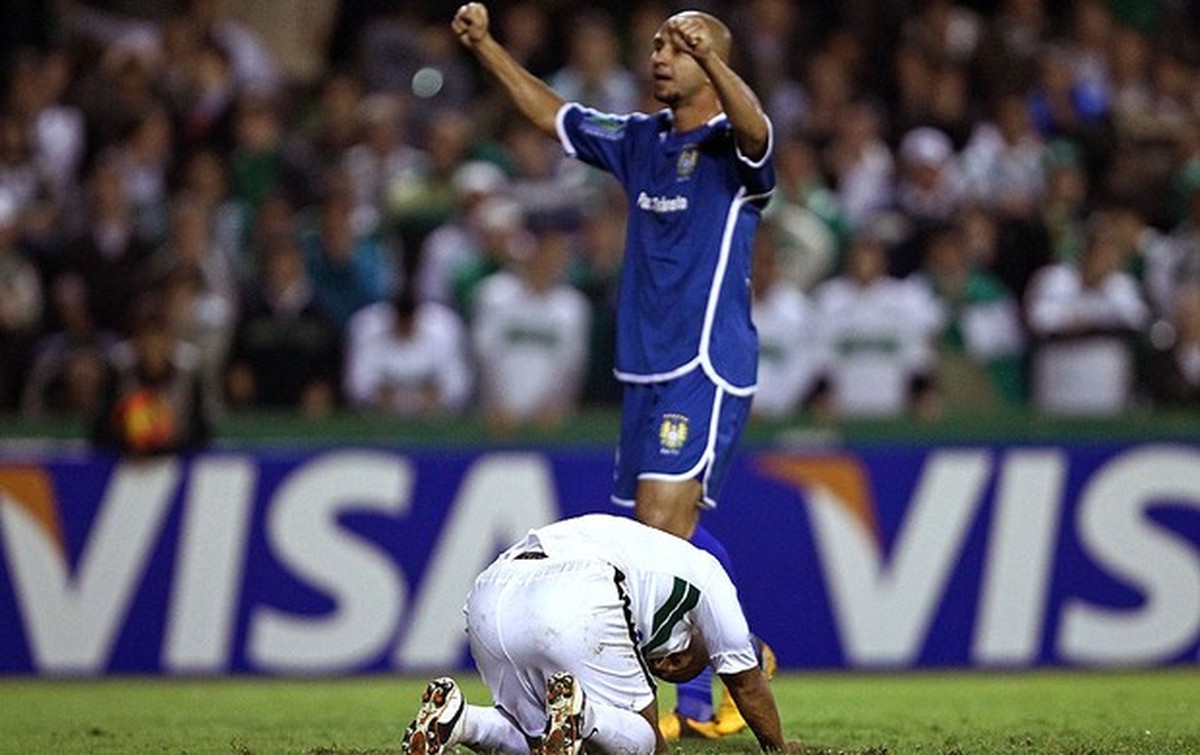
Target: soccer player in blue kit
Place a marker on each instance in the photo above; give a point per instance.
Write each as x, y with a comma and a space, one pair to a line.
697, 175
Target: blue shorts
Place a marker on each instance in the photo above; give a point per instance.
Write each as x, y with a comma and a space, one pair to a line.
680, 429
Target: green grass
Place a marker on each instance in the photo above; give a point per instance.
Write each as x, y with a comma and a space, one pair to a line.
864, 714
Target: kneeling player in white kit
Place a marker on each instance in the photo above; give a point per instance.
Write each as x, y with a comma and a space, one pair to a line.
567, 628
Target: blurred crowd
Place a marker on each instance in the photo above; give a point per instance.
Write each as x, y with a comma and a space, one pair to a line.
209, 206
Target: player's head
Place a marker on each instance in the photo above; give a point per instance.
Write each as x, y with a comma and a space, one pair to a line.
677, 75
684, 665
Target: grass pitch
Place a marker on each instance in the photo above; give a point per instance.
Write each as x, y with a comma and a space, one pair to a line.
1079, 713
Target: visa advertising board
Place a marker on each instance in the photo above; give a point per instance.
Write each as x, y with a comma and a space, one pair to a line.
355, 560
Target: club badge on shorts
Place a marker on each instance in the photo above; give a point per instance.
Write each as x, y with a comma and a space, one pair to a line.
672, 433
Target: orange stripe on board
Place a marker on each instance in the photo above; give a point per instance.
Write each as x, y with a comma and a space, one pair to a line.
840, 474
30, 488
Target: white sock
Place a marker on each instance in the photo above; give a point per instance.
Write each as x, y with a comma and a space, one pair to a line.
487, 728
618, 731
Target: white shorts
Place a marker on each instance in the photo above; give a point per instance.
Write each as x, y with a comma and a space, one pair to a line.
528, 619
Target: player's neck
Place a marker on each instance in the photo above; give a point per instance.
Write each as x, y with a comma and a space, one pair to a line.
695, 112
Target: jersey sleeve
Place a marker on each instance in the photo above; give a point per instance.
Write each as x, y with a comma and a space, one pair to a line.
722, 624
596, 138
758, 176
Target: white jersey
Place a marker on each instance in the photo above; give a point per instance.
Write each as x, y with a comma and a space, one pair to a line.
671, 585
875, 339
1086, 365
788, 356
532, 347
381, 362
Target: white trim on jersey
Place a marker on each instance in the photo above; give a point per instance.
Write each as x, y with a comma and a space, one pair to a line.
563, 139
756, 164
714, 293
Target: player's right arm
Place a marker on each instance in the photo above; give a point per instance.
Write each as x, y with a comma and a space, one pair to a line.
536, 101
756, 703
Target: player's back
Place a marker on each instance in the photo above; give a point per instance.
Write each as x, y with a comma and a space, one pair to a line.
669, 583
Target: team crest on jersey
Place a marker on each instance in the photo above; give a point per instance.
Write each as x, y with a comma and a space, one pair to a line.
672, 433
685, 166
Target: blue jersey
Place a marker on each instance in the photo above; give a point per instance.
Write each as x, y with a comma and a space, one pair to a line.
694, 205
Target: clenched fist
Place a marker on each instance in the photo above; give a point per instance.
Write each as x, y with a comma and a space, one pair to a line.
690, 34
470, 24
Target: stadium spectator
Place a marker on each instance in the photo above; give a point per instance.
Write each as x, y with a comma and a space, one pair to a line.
380, 158
402, 51
205, 181
767, 31
530, 331
205, 97
981, 347
201, 289
593, 74
861, 164
1014, 40
388, 47
1129, 78
21, 305
109, 255
788, 353
524, 27
422, 199
551, 190
876, 335
252, 64
286, 352
929, 183
144, 159
944, 30
56, 130
1004, 164
1172, 377
830, 109
327, 134
407, 359
1089, 44
70, 361
463, 242
348, 270
1065, 207
810, 227
1066, 104
598, 275
1175, 257
1085, 317
262, 163
26, 192
152, 400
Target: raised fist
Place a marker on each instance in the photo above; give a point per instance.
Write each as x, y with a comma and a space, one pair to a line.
470, 24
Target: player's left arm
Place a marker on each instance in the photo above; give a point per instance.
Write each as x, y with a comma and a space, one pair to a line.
751, 129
